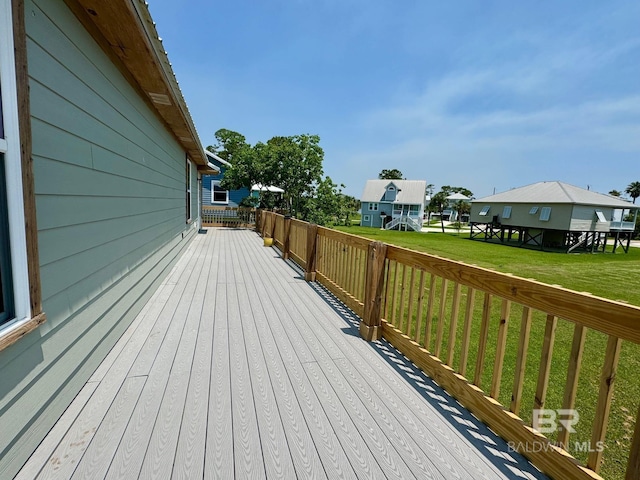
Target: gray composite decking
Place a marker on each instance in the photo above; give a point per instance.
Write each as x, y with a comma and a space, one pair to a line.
238, 368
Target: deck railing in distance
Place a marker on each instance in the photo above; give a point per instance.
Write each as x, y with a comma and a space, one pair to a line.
486, 337
228, 216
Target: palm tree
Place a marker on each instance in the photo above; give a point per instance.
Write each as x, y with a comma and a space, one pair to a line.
633, 190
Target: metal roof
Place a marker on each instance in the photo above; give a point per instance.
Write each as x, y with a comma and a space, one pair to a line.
556, 192
409, 191
457, 196
125, 30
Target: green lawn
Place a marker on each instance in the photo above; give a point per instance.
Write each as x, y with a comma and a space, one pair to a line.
613, 276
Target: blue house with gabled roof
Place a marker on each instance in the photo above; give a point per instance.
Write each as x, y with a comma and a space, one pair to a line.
212, 193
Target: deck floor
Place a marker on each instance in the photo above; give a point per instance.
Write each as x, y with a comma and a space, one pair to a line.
238, 368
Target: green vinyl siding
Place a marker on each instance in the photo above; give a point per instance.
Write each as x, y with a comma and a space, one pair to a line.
110, 198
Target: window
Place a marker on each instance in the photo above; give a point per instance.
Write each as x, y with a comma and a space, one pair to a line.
414, 208
218, 194
506, 212
533, 210
600, 215
545, 214
188, 190
366, 218
6, 294
373, 207
15, 307
485, 210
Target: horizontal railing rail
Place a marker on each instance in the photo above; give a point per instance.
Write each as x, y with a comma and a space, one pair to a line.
488, 338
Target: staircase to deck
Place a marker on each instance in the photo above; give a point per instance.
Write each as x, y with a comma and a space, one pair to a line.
406, 221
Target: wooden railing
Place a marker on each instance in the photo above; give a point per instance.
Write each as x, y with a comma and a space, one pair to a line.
227, 216
476, 331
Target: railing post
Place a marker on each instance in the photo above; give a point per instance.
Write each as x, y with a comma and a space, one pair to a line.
274, 221
371, 323
312, 236
285, 241
258, 213
263, 222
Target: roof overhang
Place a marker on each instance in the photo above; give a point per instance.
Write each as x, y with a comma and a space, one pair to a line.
125, 31
217, 158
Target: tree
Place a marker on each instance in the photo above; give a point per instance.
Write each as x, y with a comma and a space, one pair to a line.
438, 203
247, 168
295, 165
615, 193
633, 190
328, 206
393, 174
229, 143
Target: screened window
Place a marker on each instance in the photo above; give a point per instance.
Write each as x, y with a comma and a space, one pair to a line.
485, 210
373, 207
545, 214
218, 194
533, 210
506, 212
6, 294
415, 208
601, 217
188, 190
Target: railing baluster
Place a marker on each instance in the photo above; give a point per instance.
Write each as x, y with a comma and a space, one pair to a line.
521, 360
501, 346
466, 331
420, 305
573, 374
545, 362
394, 303
603, 407
389, 290
403, 289
482, 342
453, 327
407, 330
443, 306
633, 465
351, 279
429, 318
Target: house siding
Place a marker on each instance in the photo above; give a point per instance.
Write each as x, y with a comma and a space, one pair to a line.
520, 217
584, 218
110, 197
235, 196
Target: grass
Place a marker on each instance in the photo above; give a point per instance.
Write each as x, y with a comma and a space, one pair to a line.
613, 276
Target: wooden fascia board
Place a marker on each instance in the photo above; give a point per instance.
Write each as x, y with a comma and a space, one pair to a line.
128, 32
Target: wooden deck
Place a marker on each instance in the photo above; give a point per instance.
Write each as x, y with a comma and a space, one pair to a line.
238, 368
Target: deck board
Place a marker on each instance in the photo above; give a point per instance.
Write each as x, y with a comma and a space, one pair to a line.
237, 368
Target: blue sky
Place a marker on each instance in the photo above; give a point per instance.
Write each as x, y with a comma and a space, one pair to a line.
486, 95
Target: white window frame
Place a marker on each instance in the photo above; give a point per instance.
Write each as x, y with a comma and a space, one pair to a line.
10, 147
366, 218
188, 191
485, 210
213, 202
506, 212
545, 214
373, 207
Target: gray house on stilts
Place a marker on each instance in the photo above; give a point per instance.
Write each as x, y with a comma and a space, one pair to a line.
554, 215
